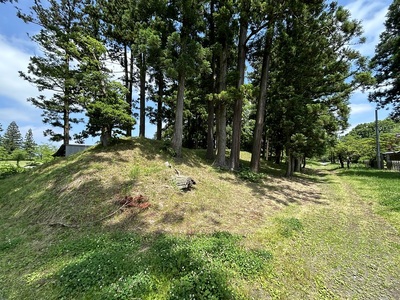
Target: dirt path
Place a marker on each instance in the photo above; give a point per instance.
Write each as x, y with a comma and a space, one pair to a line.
345, 251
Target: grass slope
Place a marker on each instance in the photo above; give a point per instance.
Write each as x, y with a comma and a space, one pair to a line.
63, 236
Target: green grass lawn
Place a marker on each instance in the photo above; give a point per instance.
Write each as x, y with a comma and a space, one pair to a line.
326, 234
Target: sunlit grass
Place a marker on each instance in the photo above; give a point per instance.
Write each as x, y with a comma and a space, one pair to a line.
235, 235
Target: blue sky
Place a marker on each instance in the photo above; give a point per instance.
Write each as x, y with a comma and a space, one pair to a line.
16, 48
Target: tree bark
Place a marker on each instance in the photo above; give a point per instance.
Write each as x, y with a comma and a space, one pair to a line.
160, 104
128, 71
211, 103
178, 128
210, 130
220, 160
238, 108
288, 164
142, 123
259, 127
67, 95
105, 136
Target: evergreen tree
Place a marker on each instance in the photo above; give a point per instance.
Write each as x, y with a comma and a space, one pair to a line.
1, 138
29, 144
186, 57
386, 63
313, 73
12, 139
55, 70
103, 98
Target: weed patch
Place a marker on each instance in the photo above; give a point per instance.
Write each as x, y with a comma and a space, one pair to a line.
248, 175
288, 226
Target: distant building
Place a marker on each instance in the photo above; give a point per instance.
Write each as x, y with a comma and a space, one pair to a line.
70, 149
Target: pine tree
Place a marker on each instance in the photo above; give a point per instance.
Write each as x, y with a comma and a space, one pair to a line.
12, 139
54, 71
29, 144
386, 63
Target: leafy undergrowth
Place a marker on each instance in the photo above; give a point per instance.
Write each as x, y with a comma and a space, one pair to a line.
66, 231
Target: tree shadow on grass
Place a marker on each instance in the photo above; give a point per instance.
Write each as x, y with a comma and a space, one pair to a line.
271, 185
128, 265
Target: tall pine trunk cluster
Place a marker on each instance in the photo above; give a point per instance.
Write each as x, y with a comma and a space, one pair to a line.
270, 77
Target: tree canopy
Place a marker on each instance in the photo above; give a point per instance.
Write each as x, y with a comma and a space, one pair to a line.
190, 58
386, 63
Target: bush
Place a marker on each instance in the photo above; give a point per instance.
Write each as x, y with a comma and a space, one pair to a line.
9, 169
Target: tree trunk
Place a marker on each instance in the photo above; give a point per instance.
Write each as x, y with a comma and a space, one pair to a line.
341, 161
210, 130
105, 136
67, 95
178, 129
160, 104
259, 126
289, 160
238, 108
66, 123
220, 160
278, 155
128, 71
142, 123
297, 164
211, 103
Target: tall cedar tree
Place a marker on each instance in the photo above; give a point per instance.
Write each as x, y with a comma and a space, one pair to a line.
386, 63
225, 26
12, 139
273, 10
54, 70
313, 73
186, 57
244, 8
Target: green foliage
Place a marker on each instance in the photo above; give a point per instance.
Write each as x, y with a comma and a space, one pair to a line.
248, 175
29, 144
386, 63
55, 70
12, 139
109, 112
19, 155
7, 169
44, 152
3, 153
360, 142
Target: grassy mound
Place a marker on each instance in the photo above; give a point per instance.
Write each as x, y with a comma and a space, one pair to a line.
67, 232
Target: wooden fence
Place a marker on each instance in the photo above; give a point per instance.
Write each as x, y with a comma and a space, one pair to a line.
393, 165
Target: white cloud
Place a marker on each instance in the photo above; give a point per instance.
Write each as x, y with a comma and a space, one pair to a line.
12, 60
372, 15
361, 108
9, 114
